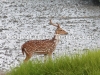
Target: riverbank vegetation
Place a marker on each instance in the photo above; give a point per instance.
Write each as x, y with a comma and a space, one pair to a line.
83, 64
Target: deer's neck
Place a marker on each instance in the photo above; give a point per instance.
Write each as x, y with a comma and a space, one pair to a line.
56, 38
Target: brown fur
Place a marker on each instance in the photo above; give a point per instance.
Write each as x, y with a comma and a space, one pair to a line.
45, 47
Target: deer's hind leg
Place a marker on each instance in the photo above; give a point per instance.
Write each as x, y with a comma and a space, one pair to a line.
27, 57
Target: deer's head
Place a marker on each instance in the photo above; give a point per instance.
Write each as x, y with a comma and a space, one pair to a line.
59, 30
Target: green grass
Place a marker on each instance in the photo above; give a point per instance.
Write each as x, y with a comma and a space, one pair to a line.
85, 64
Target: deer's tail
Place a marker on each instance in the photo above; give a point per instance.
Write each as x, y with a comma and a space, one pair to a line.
23, 50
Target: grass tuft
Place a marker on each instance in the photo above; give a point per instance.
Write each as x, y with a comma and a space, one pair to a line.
84, 64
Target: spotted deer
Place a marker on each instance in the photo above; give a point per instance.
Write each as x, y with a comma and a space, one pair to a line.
45, 47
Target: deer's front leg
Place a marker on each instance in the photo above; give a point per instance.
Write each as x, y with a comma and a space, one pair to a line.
50, 56
45, 57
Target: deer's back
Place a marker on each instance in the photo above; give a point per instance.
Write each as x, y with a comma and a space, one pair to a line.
39, 46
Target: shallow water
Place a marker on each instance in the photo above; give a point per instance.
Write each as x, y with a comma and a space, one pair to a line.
24, 20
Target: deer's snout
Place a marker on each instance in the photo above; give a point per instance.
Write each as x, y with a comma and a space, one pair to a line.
66, 33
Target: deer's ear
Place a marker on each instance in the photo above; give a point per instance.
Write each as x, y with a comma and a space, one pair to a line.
58, 25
